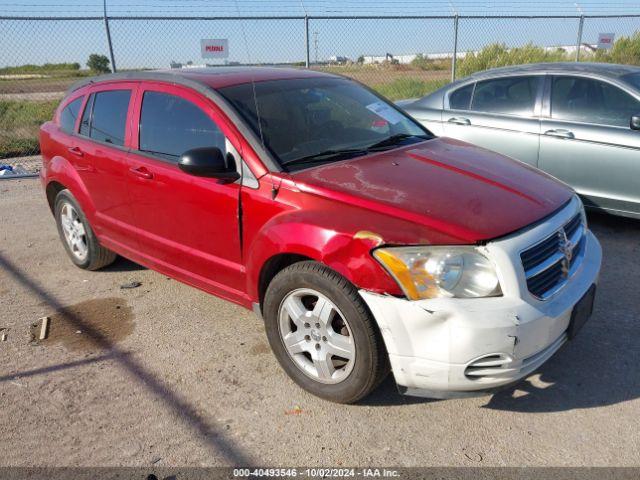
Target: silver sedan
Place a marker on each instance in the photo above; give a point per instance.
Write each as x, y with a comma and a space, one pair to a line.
579, 122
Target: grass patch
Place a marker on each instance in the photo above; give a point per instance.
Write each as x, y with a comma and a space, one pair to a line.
19, 124
47, 68
403, 88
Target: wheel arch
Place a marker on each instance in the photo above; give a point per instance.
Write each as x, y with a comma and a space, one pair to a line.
52, 190
62, 175
272, 267
285, 243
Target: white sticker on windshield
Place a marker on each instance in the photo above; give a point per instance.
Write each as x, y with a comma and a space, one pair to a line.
385, 111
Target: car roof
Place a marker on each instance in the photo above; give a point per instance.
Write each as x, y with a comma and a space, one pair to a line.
207, 81
602, 69
212, 77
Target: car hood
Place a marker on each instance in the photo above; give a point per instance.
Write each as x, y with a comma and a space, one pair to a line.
466, 192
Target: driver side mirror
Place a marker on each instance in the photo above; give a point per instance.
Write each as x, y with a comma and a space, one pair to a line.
635, 122
208, 162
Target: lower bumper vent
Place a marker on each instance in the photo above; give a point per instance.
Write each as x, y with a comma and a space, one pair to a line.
488, 366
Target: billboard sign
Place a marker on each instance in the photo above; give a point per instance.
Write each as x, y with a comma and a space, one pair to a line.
605, 41
214, 47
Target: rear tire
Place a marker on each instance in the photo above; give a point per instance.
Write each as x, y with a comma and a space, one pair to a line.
77, 236
330, 345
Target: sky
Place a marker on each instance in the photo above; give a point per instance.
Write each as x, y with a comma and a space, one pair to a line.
154, 43
317, 7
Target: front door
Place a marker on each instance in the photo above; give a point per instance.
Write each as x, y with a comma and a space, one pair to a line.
187, 226
587, 142
500, 114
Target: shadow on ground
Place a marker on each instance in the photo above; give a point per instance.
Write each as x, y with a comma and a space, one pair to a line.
122, 264
220, 444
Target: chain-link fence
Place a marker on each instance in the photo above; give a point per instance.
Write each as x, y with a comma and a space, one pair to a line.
401, 57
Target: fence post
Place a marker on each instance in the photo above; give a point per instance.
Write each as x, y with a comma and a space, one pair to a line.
306, 40
108, 32
580, 26
455, 47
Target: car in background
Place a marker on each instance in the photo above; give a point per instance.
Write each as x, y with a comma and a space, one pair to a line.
362, 240
580, 122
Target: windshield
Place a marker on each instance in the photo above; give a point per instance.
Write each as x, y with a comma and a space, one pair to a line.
319, 120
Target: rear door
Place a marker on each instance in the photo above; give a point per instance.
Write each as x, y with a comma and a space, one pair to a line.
187, 226
588, 143
100, 152
501, 114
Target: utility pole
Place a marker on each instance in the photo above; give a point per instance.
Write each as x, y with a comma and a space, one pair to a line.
454, 59
579, 42
306, 41
580, 27
106, 28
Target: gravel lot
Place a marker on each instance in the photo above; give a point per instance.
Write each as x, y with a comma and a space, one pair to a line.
166, 375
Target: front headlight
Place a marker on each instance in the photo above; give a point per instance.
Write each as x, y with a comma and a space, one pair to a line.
432, 272
583, 214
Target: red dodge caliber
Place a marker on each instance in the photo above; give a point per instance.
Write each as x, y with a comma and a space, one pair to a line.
364, 242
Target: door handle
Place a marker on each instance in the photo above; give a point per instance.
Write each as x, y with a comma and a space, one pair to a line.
141, 172
76, 151
561, 133
459, 121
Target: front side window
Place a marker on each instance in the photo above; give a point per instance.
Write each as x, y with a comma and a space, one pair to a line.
105, 116
509, 96
319, 120
170, 125
586, 100
69, 115
461, 98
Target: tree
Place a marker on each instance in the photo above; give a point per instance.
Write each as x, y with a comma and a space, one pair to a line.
98, 63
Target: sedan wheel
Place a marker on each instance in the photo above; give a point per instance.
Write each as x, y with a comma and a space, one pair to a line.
77, 236
316, 336
74, 232
322, 333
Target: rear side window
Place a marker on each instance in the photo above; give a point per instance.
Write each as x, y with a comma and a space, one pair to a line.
69, 115
461, 98
511, 96
591, 101
106, 116
170, 125
85, 123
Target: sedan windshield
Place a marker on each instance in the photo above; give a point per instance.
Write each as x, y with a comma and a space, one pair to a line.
320, 120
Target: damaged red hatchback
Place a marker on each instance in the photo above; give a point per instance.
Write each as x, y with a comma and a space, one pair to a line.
363, 241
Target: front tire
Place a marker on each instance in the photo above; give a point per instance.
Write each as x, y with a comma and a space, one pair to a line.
322, 333
76, 234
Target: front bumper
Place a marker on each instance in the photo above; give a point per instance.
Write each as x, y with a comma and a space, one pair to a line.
448, 347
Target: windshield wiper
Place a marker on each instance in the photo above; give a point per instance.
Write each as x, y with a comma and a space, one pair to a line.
394, 140
326, 155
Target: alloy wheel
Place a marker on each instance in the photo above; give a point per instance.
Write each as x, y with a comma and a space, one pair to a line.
74, 232
316, 336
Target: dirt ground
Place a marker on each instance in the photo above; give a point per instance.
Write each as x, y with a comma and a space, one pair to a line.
166, 375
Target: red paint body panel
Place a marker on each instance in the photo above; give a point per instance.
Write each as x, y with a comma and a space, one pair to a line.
449, 186
437, 192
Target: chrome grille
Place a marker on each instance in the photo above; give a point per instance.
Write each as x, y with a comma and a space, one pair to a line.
550, 263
